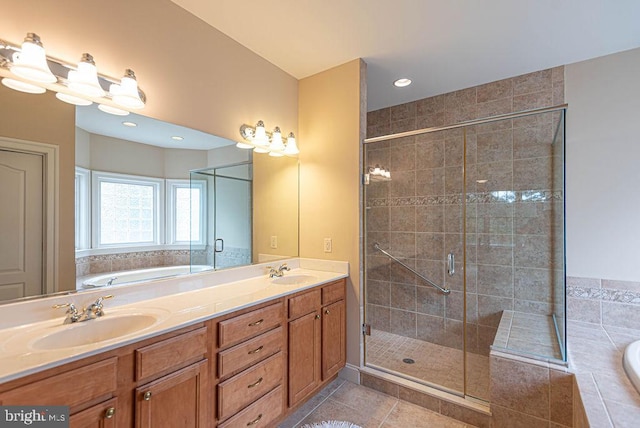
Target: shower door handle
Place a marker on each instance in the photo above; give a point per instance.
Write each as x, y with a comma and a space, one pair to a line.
451, 264
221, 247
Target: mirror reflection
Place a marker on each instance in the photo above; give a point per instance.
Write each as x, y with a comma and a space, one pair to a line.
152, 199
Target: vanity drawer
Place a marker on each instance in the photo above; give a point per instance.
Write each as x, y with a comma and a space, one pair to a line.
333, 292
249, 352
242, 327
171, 354
242, 389
260, 414
71, 388
304, 303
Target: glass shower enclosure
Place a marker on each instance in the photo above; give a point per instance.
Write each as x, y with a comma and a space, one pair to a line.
464, 248
227, 216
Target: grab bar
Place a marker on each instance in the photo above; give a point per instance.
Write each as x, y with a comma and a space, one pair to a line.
425, 279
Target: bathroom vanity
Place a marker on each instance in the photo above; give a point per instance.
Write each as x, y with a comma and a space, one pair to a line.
237, 354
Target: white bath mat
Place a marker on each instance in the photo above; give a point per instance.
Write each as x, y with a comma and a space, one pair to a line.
331, 424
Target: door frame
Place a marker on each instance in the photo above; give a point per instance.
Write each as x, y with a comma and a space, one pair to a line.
51, 197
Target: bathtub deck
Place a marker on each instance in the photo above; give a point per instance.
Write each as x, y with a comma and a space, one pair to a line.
595, 356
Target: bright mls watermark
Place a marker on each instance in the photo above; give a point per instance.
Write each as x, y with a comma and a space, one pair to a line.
34, 416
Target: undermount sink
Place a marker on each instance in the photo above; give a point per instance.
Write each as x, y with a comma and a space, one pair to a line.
295, 279
98, 330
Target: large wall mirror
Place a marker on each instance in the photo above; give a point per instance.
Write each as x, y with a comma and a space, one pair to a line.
150, 199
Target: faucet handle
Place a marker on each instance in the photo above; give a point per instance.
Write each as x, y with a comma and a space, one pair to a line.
97, 305
284, 266
72, 312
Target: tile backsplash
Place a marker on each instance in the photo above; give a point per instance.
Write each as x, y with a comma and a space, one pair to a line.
603, 301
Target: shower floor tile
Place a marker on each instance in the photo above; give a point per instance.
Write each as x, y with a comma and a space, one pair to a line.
435, 364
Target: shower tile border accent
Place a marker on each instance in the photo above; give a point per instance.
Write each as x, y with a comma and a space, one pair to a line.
604, 302
482, 198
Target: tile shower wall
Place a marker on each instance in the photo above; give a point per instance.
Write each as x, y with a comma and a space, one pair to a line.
511, 219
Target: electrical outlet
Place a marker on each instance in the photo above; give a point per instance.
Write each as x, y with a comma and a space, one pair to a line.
274, 242
327, 245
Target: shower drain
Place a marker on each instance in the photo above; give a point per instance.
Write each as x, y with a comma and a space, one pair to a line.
408, 360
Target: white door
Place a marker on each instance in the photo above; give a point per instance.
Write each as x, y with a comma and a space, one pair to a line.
21, 224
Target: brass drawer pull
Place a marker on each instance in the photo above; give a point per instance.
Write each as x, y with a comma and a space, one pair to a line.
327, 312
255, 351
254, 384
255, 421
147, 396
253, 324
110, 412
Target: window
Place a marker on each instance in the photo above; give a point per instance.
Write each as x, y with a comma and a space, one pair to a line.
186, 211
126, 210
83, 204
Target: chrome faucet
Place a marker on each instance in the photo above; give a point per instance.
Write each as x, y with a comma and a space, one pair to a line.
93, 311
277, 273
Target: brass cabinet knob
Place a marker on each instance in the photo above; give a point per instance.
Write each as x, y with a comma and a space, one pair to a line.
318, 316
110, 412
327, 311
147, 396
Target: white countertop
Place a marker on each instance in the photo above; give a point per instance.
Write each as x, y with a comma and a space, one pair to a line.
174, 303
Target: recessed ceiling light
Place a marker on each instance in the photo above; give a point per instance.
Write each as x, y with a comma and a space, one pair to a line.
130, 124
177, 138
401, 83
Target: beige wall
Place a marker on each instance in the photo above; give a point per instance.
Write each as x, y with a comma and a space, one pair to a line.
329, 112
193, 74
52, 122
275, 206
603, 151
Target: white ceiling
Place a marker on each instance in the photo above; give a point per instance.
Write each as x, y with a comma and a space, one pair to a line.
442, 45
149, 131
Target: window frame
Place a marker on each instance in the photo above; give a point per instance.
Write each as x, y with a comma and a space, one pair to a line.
99, 177
82, 209
171, 186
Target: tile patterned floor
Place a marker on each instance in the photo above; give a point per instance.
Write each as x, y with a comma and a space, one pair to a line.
436, 364
367, 408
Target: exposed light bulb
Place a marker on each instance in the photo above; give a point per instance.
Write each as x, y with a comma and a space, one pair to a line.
292, 148
112, 110
31, 62
126, 93
277, 145
84, 80
260, 138
21, 86
71, 99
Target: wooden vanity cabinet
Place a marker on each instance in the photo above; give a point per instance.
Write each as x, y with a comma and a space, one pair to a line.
174, 375
317, 339
103, 415
250, 367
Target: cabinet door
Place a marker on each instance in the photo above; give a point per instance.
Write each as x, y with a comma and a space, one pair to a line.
101, 415
175, 400
334, 353
304, 356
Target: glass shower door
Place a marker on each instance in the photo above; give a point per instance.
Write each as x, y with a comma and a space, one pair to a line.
415, 218
232, 217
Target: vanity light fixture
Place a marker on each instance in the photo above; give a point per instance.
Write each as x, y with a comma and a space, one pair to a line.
401, 83
27, 68
261, 141
377, 173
